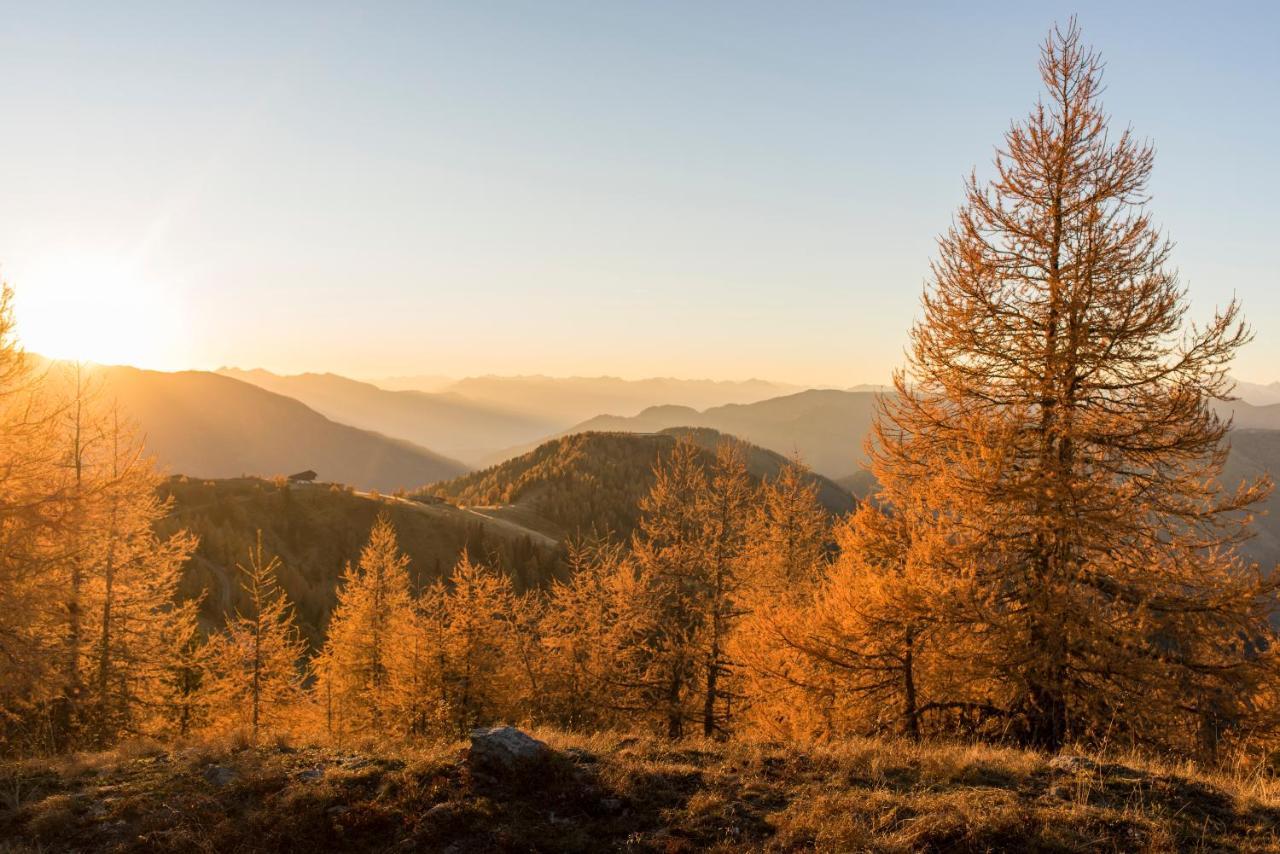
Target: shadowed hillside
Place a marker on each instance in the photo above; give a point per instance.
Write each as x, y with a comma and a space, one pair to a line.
205, 425
316, 529
593, 481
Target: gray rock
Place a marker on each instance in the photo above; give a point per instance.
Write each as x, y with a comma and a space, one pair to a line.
504, 748
1072, 764
219, 775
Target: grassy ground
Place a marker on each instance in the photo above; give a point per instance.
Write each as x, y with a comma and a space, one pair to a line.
613, 792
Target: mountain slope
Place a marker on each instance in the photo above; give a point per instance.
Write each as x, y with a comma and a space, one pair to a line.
1258, 394
460, 428
1254, 453
589, 481
205, 425
316, 530
825, 427
1246, 416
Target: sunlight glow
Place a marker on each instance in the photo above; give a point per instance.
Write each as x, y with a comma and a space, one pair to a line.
98, 310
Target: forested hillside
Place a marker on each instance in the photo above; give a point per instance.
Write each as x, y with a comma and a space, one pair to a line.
593, 481
316, 530
825, 427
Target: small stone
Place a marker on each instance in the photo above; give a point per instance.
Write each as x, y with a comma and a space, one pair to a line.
504, 748
219, 775
1072, 764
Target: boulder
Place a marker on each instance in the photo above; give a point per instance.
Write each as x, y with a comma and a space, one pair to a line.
504, 748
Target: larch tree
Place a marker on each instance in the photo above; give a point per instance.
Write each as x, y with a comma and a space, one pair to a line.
785, 694
726, 504
588, 627
481, 672
254, 675
134, 617
788, 531
670, 559
34, 509
369, 639
1055, 424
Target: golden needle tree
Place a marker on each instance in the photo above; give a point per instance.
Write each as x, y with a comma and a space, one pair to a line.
253, 663
369, 639
1054, 423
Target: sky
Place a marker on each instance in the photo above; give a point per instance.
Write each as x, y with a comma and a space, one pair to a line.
710, 189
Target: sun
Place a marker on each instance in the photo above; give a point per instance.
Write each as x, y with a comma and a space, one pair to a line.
97, 309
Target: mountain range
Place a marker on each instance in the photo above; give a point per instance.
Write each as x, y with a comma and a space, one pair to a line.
210, 426
219, 425
448, 423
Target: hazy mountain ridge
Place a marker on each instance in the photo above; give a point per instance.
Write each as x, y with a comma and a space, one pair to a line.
568, 400
1258, 394
824, 427
211, 426
447, 422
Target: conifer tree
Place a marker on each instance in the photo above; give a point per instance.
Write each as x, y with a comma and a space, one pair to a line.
130, 579
726, 504
369, 639
480, 666
34, 509
670, 556
786, 693
594, 627
253, 664
788, 532
1055, 424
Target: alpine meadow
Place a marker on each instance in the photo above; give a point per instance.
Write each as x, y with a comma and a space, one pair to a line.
410, 586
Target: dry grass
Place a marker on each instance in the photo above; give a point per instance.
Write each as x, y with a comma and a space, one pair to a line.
616, 792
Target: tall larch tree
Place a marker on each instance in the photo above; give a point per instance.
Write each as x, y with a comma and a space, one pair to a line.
34, 510
254, 663
482, 674
1055, 421
134, 617
788, 534
369, 639
726, 505
591, 627
670, 559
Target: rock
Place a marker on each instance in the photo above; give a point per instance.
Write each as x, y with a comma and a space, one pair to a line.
504, 748
1072, 764
311, 774
219, 775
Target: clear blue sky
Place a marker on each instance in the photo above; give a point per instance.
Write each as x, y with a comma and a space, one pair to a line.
692, 189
